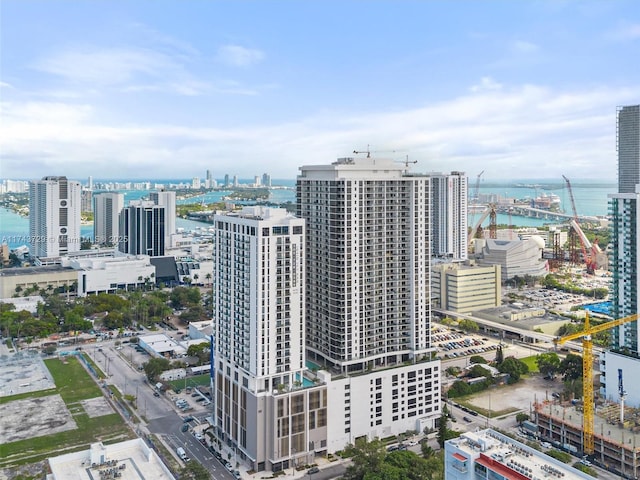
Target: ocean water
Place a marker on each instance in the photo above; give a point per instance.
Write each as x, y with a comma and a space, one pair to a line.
590, 198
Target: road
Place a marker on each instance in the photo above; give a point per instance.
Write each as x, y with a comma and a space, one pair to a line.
120, 366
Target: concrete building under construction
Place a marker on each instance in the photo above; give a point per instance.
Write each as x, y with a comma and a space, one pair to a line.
617, 444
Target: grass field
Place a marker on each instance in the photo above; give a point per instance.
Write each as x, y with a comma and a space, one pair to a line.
73, 384
531, 363
203, 380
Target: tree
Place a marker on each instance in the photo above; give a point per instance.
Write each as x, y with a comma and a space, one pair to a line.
479, 371
514, 367
548, 363
442, 426
468, 325
499, 355
571, 367
194, 471
195, 278
208, 276
366, 457
155, 367
521, 417
477, 359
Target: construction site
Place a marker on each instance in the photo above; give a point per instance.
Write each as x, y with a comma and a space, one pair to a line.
616, 445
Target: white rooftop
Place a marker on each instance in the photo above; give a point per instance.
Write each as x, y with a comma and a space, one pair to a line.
511, 455
129, 460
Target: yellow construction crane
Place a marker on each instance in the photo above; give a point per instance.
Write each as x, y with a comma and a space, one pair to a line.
587, 372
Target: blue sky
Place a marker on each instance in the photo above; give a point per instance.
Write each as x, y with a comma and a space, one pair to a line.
168, 89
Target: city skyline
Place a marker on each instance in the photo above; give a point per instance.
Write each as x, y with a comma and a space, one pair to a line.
515, 89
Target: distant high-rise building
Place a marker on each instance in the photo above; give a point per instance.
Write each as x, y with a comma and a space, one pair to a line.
258, 299
266, 179
368, 295
106, 218
142, 229
628, 148
86, 200
54, 216
195, 183
235, 181
168, 201
257, 181
90, 183
449, 216
226, 180
623, 259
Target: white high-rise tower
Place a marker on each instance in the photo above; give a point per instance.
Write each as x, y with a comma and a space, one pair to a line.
368, 295
261, 406
54, 216
106, 217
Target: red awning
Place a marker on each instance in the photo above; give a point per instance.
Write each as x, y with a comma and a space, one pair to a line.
457, 456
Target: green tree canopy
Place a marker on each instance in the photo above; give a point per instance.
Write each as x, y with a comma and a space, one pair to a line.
514, 367
571, 367
548, 363
154, 367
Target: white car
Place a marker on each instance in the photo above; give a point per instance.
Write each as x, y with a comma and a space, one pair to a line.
199, 436
411, 443
545, 444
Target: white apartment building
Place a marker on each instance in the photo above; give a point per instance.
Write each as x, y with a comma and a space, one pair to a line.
449, 197
54, 216
106, 217
489, 455
168, 201
262, 407
368, 293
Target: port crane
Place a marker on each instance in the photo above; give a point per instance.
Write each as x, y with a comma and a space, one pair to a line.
587, 372
584, 242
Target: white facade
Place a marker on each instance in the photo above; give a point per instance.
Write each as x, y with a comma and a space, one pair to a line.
139, 460
54, 216
610, 363
515, 257
449, 196
168, 201
368, 300
109, 273
106, 217
381, 403
489, 455
258, 293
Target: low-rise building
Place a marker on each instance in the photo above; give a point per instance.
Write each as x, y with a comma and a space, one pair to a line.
131, 460
465, 288
489, 455
159, 345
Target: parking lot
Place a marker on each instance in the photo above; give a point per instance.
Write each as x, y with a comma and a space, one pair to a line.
455, 343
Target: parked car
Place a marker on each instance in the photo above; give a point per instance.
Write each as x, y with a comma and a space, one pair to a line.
467, 419
185, 428
313, 470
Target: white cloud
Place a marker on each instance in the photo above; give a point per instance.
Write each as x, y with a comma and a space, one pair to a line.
238, 56
5, 85
528, 131
521, 46
486, 83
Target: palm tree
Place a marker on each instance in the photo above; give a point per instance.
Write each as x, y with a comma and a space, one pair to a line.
208, 276
195, 278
